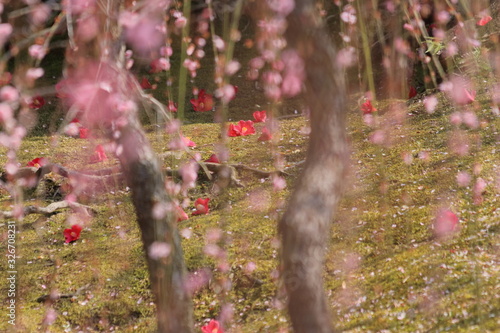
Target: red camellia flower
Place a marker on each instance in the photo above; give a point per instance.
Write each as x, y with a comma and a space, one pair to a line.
234, 130
201, 206
37, 102
38, 162
413, 92
99, 155
367, 107
145, 83
204, 102
212, 327
265, 136
244, 127
484, 20
73, 233
213, 159
260, 116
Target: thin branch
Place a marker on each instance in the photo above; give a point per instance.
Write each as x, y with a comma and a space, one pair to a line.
50, 209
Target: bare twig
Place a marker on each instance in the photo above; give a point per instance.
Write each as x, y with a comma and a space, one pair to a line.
50, 209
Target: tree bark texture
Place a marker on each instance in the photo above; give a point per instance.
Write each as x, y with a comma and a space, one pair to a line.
141, 167
305, 226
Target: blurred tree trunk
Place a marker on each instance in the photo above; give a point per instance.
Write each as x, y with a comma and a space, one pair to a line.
143, 174
305, 226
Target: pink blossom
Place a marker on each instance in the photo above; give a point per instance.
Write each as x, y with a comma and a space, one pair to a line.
292, 85
78, 6
257, 63
430, 103
34, 73
279, 183
232, 67
145, 36
470, 119
281, 7
446, 223
349, 17
40, 13
166, 51
9, 94
6, 113
346, 57
265, 136
226, 93
463, 178
159, 250
37, 51
189, 174
5, 32
88, 28
180, 22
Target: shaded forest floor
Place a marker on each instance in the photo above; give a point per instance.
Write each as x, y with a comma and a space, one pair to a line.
385, 270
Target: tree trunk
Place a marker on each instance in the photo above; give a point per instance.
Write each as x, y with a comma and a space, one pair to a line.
305, 226
139, 162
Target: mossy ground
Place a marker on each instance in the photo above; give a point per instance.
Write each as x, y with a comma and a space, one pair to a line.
384, 271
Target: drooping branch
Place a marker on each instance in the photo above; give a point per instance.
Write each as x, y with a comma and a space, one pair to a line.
305, 225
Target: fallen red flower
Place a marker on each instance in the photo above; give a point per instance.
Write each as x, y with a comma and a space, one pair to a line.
484, 20
212, 327
243, 128
234, 130
367, 107
265, 136
172, 107
99, 155
204, 102
187, 141
145, 83
73, 233
201, 206
413, 92
37, 102
212, 159
38, 162
260, 116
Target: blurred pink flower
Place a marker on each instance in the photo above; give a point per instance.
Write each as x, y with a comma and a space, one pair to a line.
5, 32
9, 94
34, 73
446, 223
99, 155
463, 178
37, 51
430, 103
265, 136
146, 35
